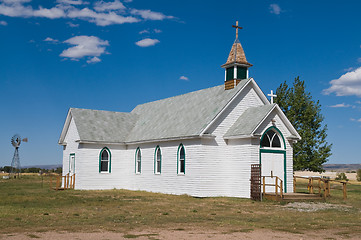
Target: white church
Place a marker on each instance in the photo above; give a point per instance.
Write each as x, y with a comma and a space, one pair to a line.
201, 143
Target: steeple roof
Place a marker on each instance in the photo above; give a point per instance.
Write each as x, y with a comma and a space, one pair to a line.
237, 55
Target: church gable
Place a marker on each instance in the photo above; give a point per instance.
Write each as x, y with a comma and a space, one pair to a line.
278, 119
249, 96
71, 132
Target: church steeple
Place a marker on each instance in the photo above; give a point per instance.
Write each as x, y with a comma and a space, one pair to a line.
236, 67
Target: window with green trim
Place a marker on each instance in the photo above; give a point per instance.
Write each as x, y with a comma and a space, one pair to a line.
241, 72
157, 160
138, 161
181, 160
104, 161
230, 73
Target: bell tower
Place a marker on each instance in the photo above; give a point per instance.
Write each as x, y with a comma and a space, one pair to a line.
236, 67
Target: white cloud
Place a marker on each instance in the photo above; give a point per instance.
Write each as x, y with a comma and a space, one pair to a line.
17, 9
275, 9
72, 24
157, 30
143, 31
358, 102
147, 42
85, 46
93, 60
347, 85
71, 2
49, 39
100, 19
3, 23
184, 78
103, 14
341, 105
15, 1
102, 6
355, 120
150, 15
49, 13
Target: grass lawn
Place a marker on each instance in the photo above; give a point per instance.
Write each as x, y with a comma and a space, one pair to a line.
26, 206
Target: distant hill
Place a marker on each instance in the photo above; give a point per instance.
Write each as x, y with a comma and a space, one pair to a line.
341, 167
54, 166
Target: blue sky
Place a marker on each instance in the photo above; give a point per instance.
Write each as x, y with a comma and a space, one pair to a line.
113, 55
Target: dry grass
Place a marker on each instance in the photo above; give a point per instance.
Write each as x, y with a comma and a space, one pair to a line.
27, 207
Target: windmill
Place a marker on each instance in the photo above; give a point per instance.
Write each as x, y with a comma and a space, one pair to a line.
15, 163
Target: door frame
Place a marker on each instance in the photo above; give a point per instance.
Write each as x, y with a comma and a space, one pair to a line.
275, 150
72, 155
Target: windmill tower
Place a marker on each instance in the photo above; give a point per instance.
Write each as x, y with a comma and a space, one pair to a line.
15, 163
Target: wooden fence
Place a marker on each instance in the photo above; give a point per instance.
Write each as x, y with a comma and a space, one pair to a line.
321, 185
62, 182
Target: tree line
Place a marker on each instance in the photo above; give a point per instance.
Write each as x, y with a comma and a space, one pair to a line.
7, 169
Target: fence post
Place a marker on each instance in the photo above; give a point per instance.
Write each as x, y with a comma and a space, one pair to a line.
344, 188
264, 185
276, 187
311, 187
281, 188
294, 184
74, 181
67, 176
57, 182
319, 186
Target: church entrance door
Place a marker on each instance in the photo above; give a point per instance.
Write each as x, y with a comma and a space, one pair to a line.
72, 164
273, 158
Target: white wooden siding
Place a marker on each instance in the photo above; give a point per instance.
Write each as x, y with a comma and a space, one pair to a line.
214, 167
71, 147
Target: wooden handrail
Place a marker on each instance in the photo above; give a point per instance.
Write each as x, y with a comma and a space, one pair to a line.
276, 185
67, 180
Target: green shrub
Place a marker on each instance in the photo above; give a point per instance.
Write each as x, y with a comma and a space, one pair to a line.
358, 176
341, 176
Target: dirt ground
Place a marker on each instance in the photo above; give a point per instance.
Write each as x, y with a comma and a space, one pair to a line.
189, 234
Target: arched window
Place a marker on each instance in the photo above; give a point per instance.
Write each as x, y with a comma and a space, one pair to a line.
138, 161
105, 161
157, 160
271, 139
181, 160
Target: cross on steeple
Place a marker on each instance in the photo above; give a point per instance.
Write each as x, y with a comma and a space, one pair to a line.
272, 96
236, 26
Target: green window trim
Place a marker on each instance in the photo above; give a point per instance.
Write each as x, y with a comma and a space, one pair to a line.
277, 131
178, 159
137, 165
70, 155
109, 160
156, 170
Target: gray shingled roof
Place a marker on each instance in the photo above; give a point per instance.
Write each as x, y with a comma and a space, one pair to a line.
103, 126
249, 120
180, 116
